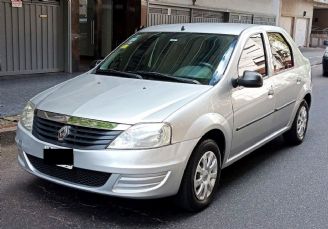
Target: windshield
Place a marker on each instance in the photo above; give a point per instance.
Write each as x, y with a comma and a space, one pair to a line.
183, 57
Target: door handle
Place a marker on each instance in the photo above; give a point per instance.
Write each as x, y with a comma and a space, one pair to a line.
298, 80
92, 32
271, 91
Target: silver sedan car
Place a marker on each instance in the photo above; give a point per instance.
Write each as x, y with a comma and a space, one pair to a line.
167, 110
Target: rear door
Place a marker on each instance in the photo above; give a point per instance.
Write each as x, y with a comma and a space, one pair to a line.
287, 79
253, 107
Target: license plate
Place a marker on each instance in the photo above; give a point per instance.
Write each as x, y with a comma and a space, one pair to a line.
59, 157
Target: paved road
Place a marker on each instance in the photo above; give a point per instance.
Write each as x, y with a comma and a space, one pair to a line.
275, 187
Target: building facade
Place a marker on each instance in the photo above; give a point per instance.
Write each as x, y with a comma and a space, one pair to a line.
296, 18
319, 33
39, 36
186, 11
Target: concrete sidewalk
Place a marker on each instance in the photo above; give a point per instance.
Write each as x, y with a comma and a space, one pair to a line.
15, 91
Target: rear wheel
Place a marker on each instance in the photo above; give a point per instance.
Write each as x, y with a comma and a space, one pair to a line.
296, 134
201, 177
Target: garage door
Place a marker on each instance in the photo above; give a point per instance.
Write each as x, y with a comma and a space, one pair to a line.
241, 18
172, 15
201, 16
301, 31
31, 37
167, 15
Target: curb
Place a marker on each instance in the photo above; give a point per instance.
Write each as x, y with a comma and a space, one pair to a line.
316, 64
8, 123
8, 129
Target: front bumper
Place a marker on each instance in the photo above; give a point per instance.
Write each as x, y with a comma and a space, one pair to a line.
143, 174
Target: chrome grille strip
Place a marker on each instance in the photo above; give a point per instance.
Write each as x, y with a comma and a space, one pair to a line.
78, 121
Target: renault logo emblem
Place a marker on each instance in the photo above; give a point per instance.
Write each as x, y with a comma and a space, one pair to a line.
62, 133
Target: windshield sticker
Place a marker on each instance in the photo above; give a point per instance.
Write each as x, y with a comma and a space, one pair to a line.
124, 46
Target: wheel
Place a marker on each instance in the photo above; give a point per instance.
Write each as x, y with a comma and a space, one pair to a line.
296, 134
201, 177
324, 70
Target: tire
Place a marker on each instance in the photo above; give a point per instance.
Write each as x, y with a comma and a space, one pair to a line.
324, 70
187, 197
295, 136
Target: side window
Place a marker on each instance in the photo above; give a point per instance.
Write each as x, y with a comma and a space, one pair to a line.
253, 57
282, 56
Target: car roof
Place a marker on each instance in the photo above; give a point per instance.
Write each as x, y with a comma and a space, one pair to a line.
215, 28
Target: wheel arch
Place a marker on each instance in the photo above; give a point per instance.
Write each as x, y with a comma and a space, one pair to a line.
218, 136
213, 126
308, 99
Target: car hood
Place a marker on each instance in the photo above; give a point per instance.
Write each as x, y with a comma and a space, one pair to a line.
117, 99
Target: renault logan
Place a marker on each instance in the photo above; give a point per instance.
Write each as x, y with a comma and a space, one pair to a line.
167, 110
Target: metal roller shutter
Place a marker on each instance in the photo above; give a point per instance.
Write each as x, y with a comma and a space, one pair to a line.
31, 38
167, 15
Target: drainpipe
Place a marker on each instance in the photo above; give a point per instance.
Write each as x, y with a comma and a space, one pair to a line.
277, 6
147, 16
68, 66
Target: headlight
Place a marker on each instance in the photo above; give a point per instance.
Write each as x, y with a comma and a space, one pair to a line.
27, 116
143, 136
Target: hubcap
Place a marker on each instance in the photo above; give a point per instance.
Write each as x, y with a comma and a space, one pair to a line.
302, 122
205, 176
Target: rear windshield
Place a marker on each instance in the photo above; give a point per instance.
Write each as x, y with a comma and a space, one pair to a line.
197, 56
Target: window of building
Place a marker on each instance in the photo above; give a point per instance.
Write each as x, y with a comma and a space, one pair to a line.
253, 57
83, 11
282, 56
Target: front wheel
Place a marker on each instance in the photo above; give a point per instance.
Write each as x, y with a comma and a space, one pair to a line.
296, 134
201, 177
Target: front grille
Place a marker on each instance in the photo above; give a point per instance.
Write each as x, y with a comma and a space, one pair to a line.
78, 137
75, 175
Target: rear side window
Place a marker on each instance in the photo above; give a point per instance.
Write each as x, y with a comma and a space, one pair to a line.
282, 56
253, 57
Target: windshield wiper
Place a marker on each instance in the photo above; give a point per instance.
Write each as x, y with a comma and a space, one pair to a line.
164, 76
118, 73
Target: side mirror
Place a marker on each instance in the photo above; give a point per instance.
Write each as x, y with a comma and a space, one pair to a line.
94, 64
249, 79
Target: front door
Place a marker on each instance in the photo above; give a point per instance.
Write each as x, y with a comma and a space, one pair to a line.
301, 31
96, 26
253, 107
87, 27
